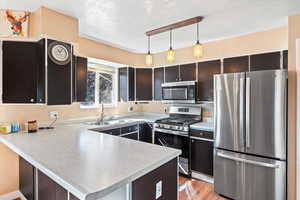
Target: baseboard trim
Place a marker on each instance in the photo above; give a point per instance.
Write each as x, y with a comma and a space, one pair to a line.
12, 195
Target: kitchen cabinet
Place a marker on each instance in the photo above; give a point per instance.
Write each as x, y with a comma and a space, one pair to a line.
206, 72
285, 58
202, 148
143, 84
236, 64
133, 136
59, 78
166, 176
26, 179
266, 61
23, 72
115, 131
126, 84
72, 197
145, 131
50, 190
187, 72
80, 78
158, 80
172, 74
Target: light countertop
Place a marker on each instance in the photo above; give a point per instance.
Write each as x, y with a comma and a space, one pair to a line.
203, 126
88, 164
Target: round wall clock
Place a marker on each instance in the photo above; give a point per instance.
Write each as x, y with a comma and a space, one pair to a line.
59, 53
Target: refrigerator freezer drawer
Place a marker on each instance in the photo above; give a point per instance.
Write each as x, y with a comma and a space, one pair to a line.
243, 177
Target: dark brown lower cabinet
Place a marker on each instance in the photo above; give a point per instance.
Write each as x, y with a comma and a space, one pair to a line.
26, 176
202, 156
72, 197
133, 136
50, 190
146, 132
145, 187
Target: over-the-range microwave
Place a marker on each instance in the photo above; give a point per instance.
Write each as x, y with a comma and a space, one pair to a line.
179, 92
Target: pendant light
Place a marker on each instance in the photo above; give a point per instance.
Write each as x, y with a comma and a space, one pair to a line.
198, 47
149, 58
171, 52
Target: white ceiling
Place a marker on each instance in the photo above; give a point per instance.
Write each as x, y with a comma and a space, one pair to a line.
123, 23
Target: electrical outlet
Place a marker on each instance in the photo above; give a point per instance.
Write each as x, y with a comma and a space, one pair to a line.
53, 114
158, 190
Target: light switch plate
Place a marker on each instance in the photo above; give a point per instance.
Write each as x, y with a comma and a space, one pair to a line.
53, 114
158, 190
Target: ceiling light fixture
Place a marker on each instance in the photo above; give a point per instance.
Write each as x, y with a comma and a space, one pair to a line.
171, 52
198, 47
149, 58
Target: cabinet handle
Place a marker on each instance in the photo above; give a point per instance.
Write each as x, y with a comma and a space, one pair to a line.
31, 100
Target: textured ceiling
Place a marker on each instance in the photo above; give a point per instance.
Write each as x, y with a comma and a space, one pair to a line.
123, 23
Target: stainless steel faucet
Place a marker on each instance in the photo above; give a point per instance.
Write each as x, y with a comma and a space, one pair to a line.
101, 117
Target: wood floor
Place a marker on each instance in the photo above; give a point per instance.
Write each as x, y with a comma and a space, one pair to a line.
192, 189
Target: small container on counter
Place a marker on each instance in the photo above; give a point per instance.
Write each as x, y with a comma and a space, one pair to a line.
32, 126
5, 128
15, 127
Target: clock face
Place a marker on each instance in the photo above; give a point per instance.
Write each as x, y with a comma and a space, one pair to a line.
59, 53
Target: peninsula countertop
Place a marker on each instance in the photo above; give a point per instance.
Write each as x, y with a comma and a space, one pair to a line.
88, 164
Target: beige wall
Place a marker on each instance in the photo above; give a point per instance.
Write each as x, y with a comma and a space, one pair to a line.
294, 33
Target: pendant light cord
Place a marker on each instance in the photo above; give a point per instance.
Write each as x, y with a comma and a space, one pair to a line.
171, 39
197, 33
148, 44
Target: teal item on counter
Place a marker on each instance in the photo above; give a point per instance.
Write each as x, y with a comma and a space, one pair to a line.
15, 127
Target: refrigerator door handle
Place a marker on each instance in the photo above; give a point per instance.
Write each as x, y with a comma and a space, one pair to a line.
248, 102
261, 164
242, 111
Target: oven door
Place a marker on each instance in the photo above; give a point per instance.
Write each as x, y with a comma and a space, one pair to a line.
178, 142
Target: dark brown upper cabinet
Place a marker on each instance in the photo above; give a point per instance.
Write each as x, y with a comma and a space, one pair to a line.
206, 72
172, 74
126, 84
158, 80
143, 84
80, 78
285, 58
266, 61
188, 72
59, 77
236, 64
23, 71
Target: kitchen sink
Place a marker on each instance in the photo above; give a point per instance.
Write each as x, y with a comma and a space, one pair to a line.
110, 122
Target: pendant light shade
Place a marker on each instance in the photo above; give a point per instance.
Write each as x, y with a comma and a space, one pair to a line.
198, 47
149, 57
171, 52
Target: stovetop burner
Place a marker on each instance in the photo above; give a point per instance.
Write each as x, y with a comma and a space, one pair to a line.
178, 121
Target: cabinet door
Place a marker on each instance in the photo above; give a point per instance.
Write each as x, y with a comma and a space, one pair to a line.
188, 72
41, 78
202, 156
123, 84
20, 69
59, 80
266, 61
49, 189
26, 179
80, 78
285, 59
72, 197
144, 188
236, 64
172, 74
146, 132
143, 84
206, 71
131, 84
133, 136
158, 80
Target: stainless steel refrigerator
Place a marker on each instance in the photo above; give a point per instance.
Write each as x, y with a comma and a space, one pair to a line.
250, 135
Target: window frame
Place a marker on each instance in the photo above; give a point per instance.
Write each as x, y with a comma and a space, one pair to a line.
114, 91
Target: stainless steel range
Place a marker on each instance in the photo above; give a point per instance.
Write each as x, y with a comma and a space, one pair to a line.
174, 132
